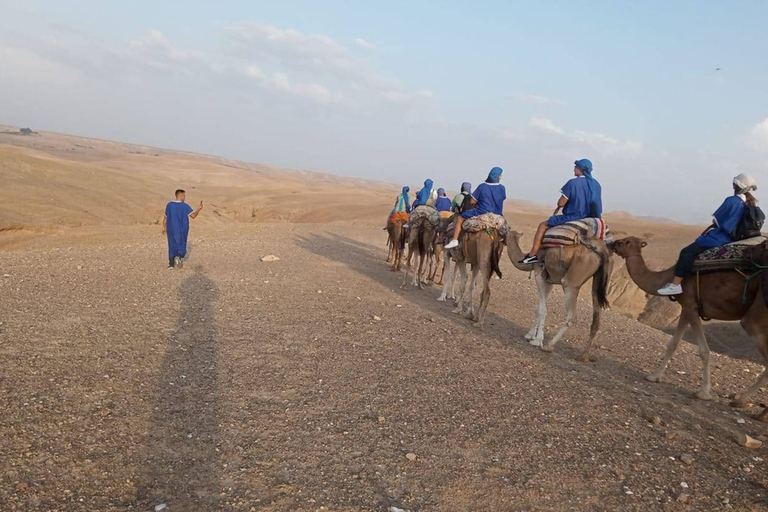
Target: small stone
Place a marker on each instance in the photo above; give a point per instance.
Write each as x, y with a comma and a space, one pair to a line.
382, 419
748, 442
376, 318
656, 421
79, 267
684, 485
9, 275
410, 456
270, 257
395, 509
686, 458
741, 421
160, 507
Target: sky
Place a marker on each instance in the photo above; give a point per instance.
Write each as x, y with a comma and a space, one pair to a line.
668, 99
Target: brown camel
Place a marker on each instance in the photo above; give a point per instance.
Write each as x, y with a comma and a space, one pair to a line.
396, 243
482, 250
721, 295
571, 267
422, 234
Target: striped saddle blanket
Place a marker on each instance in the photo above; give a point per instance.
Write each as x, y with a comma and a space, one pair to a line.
487, 221
728, 257
573, 232
424, 212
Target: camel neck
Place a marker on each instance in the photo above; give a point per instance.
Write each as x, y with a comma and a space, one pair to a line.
516, 254
648, 280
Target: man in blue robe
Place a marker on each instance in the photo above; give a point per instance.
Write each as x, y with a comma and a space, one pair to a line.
580, 198
176, 226
489, 198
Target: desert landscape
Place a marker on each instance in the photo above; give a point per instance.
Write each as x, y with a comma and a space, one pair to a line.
313, 382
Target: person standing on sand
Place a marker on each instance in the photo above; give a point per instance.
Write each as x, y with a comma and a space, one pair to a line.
176, 226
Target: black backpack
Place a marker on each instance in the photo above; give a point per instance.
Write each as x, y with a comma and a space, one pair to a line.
750, 225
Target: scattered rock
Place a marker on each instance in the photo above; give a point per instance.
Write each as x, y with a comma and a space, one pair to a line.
381, 419
686, 458
656, 421
395, 509
745, 440
410, 456
741, 421
376, 318
160, 507
270, 257
684, 485
6, 275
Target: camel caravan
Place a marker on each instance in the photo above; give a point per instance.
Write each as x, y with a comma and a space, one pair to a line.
722, 275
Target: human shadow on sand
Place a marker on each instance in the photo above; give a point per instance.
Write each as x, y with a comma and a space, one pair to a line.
181, 465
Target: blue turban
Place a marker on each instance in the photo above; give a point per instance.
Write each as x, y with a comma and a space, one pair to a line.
494, 175
584, 165
441, 192
466, 187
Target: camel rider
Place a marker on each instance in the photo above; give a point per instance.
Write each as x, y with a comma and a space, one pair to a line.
426, 196
724, 222
403, 202
580, 198
463, 200
489, 197
443, 204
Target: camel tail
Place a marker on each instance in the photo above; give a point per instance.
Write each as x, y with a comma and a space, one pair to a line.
600, 280
422, 249
496, 249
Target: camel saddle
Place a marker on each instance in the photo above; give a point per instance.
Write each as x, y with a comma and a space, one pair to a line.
737, 255
574, 232
395, 217
424, 212
487, 221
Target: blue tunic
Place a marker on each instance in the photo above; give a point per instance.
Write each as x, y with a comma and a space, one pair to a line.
443, 204
177, 227
578, 194
490, 199
726, 218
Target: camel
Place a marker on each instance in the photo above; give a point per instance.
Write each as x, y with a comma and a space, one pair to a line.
571, 267
482, 250
422, 234
396, 243
720, 297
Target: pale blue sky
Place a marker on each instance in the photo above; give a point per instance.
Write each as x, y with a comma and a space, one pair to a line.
402, 91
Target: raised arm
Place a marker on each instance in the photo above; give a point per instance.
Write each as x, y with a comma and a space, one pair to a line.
194, 213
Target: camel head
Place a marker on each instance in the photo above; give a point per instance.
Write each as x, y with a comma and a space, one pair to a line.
514, 237
626, 246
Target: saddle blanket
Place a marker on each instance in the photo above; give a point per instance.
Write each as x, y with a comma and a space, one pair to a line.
424, 212
397, 217
487, 221
572, 233
728, 257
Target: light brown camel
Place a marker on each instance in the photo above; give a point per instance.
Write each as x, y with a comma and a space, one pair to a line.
422, 233
482, 250
721, 294
571, 267
396, 243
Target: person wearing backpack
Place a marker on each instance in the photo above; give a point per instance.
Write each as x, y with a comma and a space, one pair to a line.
580, 198
728, 222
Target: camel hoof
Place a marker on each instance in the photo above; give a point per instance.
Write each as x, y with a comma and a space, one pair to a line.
456, 311
653, 378
479, 326
738, 404
547, 348
584, 358
441, 298
535, 342
761, 416
704, 395
470, 316
528, 336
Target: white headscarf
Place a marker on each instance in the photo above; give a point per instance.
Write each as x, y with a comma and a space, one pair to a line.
745, 183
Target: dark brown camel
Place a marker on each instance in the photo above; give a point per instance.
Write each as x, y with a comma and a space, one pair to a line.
422, 234
723, 296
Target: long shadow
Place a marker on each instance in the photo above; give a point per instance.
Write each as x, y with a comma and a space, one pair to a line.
181, 467
608, 374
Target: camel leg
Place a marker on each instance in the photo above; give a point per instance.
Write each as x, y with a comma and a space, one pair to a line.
701, 340
571, 294
408, 266
472, 287
452, 288
419, 269
462, 289
671, 348
536, 335
594, 328
756, 324
484, 298
448, 282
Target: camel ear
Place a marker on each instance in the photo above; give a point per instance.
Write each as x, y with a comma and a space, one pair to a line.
643, 243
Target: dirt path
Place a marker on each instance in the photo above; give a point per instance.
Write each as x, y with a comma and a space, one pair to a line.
239, 385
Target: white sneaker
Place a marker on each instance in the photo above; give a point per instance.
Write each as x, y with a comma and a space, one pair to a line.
452, 244
671, 289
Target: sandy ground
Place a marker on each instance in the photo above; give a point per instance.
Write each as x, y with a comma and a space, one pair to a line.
240, 385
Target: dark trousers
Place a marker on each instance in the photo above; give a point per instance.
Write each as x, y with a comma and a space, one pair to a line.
685, 261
